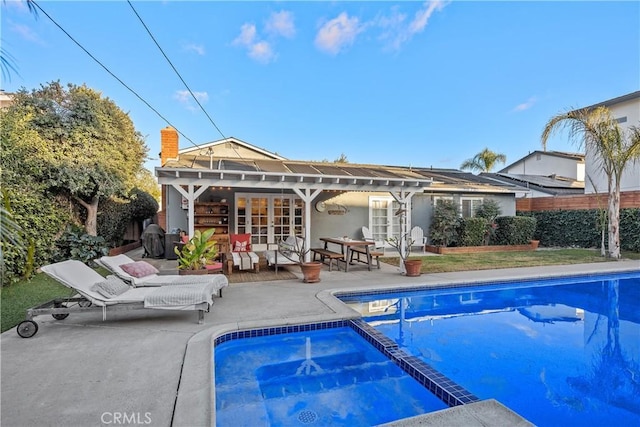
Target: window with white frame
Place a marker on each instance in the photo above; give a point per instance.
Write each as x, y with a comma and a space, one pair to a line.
440, 199
468, 206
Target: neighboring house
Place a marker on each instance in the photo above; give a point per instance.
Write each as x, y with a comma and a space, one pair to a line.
540, 186
626, 110
548, 163
5, 99
271, 197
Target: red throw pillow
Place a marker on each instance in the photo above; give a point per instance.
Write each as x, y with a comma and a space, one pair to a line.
139, 269
240, 242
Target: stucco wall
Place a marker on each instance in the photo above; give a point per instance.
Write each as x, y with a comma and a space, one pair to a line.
631, 178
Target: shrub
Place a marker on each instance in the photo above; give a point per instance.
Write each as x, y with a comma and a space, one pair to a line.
515, 230
75, 243
579, 228
142, 205
472, 231
445, 223
116, 214
488, 209
40, 220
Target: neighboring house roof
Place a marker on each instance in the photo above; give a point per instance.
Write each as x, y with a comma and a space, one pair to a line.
578, 157
552, 185
614, 101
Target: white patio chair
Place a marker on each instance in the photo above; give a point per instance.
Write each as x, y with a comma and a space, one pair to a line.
418, 238
367, 235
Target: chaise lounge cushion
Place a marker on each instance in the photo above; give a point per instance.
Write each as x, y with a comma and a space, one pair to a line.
139, 269
111, 287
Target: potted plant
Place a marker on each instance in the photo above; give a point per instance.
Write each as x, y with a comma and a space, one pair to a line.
412, 267
197, 253
295, 249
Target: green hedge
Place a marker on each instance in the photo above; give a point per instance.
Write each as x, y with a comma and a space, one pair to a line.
579, 228
472, 231
515, 230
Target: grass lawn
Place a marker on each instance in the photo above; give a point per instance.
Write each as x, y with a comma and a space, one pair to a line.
489, 260
18, 297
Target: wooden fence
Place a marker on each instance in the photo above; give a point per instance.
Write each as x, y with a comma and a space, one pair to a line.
628, 199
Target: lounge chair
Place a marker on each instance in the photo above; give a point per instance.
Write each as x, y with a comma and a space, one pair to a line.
115, 263
96, 293
418, 238
276, 258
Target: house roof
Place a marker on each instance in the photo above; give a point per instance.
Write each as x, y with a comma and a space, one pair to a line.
614, 101
578, 157
192, 167
553, 185
209, 147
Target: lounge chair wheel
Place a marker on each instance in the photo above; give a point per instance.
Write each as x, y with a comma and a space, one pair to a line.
59, 316
27, 328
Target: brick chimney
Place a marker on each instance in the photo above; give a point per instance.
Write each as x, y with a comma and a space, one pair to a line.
168, 145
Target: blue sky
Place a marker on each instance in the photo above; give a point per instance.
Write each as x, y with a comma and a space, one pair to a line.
396, 83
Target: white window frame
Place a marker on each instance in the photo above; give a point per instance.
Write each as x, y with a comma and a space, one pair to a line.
392, 225
474, 204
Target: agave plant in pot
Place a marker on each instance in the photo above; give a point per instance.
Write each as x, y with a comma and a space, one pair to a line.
197, 253
295, 249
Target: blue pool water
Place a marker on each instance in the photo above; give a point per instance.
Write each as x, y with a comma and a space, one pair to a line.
559, 352
321, 377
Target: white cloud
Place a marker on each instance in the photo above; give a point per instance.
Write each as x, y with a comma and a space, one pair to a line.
197, 48
526, 105
397, 31
25, 32
185, 98
247, 35
338, 33
261, 52
281, 24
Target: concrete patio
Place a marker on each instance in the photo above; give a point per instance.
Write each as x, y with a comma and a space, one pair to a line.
152, 367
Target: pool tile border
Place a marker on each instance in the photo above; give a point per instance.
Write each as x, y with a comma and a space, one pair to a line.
442, 387
277, 330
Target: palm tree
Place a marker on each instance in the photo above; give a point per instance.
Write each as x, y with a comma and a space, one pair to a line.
7, 60
614, 149
484, 161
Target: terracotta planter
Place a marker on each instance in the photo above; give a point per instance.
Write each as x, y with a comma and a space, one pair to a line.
534, 244
413, 267
311, 271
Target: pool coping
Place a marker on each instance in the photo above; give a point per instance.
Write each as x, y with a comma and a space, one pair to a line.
195, 390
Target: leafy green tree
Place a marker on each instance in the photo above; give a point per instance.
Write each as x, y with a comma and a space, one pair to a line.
484, 161
87, 148
445, 223
145, 181
614, 149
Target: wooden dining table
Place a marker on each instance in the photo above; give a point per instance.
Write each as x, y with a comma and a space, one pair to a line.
346, 246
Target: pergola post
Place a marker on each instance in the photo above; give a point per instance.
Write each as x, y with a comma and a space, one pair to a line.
307, 195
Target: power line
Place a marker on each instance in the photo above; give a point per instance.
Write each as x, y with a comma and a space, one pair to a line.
176, 71
181, 79
111, 73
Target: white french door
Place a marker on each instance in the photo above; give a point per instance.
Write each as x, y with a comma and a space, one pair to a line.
383, 222
268, 217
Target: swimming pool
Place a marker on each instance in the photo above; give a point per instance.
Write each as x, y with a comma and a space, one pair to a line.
559, 352
319, 375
